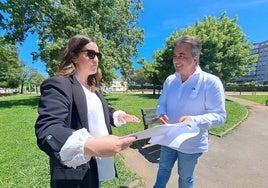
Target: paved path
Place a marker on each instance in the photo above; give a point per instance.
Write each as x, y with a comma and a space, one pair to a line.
238, 160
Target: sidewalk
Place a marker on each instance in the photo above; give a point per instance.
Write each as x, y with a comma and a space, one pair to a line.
233, 161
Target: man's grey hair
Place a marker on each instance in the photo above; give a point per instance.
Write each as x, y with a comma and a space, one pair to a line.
193, 41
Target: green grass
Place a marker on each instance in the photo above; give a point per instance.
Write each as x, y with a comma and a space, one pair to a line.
255, 98
131, 104
235, 113
22, 164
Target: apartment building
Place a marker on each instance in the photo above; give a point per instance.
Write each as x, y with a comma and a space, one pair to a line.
262, 64
260, 74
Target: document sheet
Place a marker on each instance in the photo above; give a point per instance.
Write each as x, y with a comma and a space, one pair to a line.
171, 135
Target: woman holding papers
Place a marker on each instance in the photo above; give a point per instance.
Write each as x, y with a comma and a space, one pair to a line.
73, 126
189, 94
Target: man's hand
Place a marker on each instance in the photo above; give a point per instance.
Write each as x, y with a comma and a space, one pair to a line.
163, 119
185, 118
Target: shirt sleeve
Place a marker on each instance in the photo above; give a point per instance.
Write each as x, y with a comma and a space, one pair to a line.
161, 104
117, 122
72, 152
215, 106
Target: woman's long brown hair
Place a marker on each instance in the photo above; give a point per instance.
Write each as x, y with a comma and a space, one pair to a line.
67, 67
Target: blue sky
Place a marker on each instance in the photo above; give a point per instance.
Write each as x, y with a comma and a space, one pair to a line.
161, 18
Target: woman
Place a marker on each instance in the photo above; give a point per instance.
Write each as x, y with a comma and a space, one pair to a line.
73, 126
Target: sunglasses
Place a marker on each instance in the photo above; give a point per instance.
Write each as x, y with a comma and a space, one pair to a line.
91, 54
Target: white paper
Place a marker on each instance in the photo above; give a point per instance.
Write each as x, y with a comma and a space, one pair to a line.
106, 170
171, 135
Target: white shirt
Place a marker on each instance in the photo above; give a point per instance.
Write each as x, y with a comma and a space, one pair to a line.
97, 128
201, 97
72, 152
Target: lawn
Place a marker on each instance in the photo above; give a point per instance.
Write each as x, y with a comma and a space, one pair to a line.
255, 98
22, 164
235, 113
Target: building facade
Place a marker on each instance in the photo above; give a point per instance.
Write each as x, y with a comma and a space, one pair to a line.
262, 64
260, 73
118, 85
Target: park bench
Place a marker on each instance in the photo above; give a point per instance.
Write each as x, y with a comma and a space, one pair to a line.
148, 116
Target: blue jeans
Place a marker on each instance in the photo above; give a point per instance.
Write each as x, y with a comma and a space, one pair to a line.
186, 166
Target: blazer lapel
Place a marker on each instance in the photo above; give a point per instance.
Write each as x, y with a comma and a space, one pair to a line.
105, 111
80, 102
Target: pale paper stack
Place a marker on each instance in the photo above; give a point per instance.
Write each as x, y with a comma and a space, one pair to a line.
171, 135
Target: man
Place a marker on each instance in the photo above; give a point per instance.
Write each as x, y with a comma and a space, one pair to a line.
189, 94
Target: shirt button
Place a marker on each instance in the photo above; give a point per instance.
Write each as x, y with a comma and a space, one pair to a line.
49, 137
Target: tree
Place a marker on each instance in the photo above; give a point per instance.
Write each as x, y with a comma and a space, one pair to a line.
225, 49
151, 73
139, 77
9, 65
25, 75
112, 23
265, 82
36, 80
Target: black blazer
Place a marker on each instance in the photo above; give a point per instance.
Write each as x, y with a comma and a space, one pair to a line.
63, 109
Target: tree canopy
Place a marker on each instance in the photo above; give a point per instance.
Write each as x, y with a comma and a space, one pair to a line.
225, 49
112, 23
10, 69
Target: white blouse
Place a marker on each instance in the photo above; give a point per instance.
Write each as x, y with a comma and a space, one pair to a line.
72, 152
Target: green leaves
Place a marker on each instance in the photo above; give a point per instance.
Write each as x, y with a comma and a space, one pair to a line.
9, 64
112, 23
225, 50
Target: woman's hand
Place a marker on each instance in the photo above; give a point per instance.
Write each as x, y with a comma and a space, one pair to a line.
106, 146
124, 118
